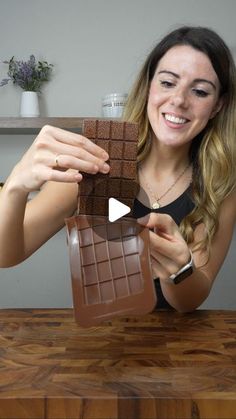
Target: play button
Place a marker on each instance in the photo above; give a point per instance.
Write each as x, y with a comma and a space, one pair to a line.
109, 209
116, 209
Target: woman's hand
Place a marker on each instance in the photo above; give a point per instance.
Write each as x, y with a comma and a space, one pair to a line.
53, 152
169, 251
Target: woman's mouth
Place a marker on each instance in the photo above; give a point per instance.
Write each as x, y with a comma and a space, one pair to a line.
175, 119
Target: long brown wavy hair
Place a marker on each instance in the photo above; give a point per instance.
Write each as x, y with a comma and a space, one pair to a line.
212, 152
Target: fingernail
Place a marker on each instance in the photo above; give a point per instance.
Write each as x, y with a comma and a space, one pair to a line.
143, 220
105, 156
78, 176
105, 168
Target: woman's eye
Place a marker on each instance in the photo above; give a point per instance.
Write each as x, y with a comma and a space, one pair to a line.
166, 83
200, 92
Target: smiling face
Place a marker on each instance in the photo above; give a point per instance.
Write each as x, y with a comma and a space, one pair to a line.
183, 96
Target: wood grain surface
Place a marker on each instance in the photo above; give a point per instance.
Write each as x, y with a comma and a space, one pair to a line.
165, 365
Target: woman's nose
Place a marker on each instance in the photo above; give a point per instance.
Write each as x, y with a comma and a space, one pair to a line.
179, 98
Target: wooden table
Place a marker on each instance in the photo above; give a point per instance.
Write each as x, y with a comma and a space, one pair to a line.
165, 365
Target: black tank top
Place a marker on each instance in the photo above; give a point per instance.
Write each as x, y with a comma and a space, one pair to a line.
178, 209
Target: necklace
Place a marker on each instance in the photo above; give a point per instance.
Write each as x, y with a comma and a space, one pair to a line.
156, 204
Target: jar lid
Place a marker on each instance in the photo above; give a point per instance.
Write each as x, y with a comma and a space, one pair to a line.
112, 96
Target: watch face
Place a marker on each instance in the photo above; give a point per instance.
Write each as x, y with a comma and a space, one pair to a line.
179, 278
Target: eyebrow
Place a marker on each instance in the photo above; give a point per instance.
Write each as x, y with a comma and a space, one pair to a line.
195, 80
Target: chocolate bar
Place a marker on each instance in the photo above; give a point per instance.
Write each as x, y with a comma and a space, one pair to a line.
110, 268
120, 140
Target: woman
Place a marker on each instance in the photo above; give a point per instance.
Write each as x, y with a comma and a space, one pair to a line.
184, 102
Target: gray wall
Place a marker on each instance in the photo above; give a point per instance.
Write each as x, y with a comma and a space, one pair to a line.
97, 47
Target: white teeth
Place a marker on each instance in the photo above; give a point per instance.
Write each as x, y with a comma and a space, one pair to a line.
175, 119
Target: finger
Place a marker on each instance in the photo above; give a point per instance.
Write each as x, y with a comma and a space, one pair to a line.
170, 265
67, 155
67, 137
163, 225
176, 250
55, 158
48, 174
163, 222
144, 220
70, 162
158, 270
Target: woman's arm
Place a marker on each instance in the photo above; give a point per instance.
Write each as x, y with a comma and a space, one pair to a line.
26, 225
169, 252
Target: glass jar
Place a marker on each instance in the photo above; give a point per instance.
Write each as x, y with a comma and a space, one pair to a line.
113, 105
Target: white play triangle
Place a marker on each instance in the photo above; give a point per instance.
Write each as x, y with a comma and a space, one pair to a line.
116, 209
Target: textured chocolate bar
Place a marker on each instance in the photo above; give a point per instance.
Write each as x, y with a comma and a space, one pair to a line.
111, 276
120, 140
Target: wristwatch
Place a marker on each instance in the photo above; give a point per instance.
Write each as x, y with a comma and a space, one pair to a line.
184, 272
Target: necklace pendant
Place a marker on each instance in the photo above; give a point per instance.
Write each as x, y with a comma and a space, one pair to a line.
155, 205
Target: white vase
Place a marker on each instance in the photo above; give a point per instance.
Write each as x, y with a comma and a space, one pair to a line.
29, 105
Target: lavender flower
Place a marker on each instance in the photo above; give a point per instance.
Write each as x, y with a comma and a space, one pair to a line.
29, 75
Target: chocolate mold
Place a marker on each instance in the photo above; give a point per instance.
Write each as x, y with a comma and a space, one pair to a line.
110, 277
